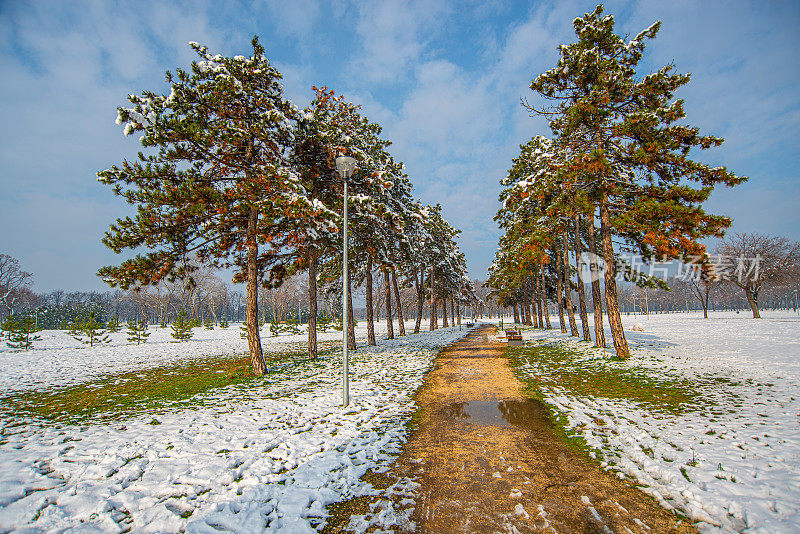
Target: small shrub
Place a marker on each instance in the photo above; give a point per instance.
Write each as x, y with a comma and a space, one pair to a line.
181, 328
113, 324
20, 332
89, 332
137, 332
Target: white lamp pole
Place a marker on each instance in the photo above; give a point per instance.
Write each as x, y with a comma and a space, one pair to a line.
345, 166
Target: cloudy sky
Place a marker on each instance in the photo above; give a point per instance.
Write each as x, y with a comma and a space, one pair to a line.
444, 79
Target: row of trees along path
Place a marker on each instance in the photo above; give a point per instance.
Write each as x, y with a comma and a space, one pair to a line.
235, 174
619, 150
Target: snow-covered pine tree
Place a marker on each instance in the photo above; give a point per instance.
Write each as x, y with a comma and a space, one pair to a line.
630, 148
215, 182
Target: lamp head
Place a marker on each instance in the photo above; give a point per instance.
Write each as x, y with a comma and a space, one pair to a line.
345, 166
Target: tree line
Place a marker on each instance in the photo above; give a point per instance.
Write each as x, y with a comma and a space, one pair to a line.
617, 175
234, 174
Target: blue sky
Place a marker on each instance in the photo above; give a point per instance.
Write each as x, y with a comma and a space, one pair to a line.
444, 79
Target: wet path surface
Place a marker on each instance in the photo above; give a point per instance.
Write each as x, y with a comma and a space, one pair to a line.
488, 460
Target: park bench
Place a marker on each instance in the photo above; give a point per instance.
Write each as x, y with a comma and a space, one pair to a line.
514, 338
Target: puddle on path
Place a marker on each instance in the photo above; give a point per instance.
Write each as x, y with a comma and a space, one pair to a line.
521, 413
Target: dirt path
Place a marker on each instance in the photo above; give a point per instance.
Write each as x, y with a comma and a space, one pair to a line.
488, 460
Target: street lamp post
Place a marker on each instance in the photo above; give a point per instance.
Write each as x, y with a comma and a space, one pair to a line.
345, 166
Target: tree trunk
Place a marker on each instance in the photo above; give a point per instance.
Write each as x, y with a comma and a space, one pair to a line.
420, 299
433, 303
594, 268
312, 304
544, 300
452, 312
444, 313
401, 327
388, 287
573, 327
560, 294
516, 315
369, 304
612, 304
351, 324
581, 290
458, 313
540, 302
752, 299
253, 337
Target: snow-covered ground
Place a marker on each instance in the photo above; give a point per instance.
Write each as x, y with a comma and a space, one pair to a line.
60, 360
734, 465
268, 455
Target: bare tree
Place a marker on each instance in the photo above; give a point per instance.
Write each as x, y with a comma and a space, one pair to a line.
13, 280
703, 284
752, 261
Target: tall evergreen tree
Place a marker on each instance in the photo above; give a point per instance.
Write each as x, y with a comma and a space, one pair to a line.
631, 149
215, 181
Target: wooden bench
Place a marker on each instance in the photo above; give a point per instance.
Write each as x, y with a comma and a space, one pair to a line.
514, 338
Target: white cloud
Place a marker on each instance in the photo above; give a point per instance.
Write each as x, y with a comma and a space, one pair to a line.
394, 35
71, 66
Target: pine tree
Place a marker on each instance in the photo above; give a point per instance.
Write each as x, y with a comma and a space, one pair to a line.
209, 325
89, 332
218, 183
137, 332
113, 325
20, 332
629, 154
182, 328
223, 322
275, 328
324, 322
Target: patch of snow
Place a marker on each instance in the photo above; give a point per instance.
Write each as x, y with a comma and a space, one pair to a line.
267, 455
733, 465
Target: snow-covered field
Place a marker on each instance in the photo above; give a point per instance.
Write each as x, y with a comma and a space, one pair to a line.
59, 360
733, 465
268, 455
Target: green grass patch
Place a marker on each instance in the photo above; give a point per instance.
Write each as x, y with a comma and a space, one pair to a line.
117, 396
339, 513
544, 365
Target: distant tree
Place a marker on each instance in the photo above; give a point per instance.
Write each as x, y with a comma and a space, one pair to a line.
137, 332
89, 332
12, 281
112, 325
753, 261
182, 328
20, 332
703, 284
